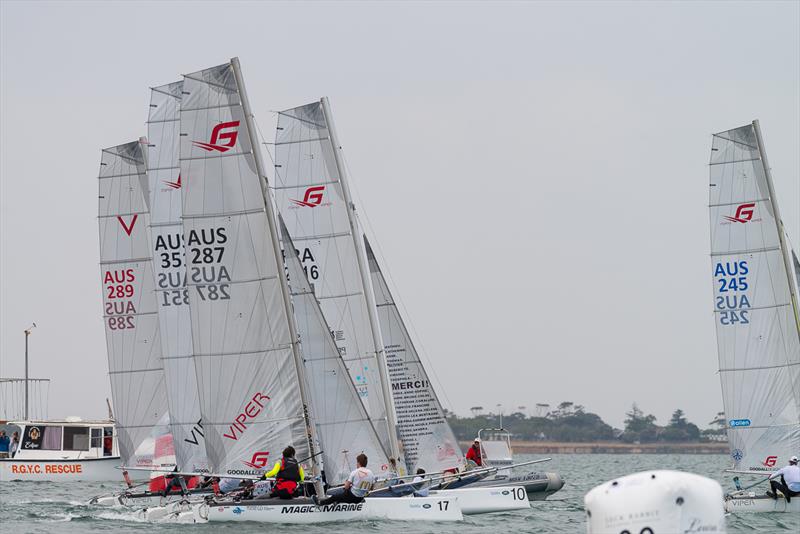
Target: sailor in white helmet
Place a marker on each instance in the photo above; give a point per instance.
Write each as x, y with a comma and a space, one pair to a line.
789, 483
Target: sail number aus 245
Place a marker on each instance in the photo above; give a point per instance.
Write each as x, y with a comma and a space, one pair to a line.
731, 301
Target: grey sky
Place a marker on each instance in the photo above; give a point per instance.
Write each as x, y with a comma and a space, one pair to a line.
534, 174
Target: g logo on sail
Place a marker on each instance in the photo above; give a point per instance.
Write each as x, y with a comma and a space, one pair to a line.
218, 135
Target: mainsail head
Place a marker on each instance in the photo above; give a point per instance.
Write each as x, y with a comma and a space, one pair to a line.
166, 229
246, 375
757, 333
129, 301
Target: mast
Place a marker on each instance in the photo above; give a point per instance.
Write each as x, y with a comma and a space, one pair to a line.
781, 233
298, 359
366, 284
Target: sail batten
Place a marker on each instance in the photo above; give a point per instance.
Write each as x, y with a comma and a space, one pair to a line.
758, 337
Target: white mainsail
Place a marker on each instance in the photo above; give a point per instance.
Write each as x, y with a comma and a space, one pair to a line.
427, 438
247, 377
166, 230
312, 197
755, 308
345, 430
129, 304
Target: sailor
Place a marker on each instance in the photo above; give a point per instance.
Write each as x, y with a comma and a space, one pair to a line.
288, 475
227, 485
474, 452
356, 487
14, 444
207, 482
4, 444
421, 489
789, 483
173, 482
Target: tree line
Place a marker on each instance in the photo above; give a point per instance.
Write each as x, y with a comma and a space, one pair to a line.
571, 422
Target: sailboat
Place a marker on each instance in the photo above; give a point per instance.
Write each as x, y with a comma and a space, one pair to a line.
315, 202
184, 442
169, 269
130, 310
756, 313
313, 196
252, 380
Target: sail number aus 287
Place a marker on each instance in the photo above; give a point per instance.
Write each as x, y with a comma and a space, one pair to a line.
208, 274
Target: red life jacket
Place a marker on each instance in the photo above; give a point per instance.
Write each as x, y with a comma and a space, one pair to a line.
289, 475
474, 455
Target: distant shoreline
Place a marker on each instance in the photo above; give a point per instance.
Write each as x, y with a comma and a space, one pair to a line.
613, 447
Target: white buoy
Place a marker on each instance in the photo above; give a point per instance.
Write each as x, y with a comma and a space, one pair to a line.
656, 502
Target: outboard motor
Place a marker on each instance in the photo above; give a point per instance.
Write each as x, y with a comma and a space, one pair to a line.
655, 502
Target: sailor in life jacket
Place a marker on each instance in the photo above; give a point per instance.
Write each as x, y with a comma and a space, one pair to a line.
474, 453
288, 475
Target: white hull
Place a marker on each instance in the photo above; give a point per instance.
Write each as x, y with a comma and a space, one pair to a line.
140, 500
487, 500
379, 508
761, 503
88, 470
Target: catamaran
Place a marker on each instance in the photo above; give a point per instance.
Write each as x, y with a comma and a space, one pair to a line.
313, 196
755, 275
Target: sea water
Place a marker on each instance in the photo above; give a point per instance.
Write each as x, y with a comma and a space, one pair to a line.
39, 507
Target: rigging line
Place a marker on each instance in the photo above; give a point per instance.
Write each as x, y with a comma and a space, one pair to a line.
396, 295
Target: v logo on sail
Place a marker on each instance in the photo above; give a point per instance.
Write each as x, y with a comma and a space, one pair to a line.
128, 229
174, 185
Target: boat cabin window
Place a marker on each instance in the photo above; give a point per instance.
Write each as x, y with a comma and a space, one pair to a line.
76, 438
108, 440
97, 438
43, 438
